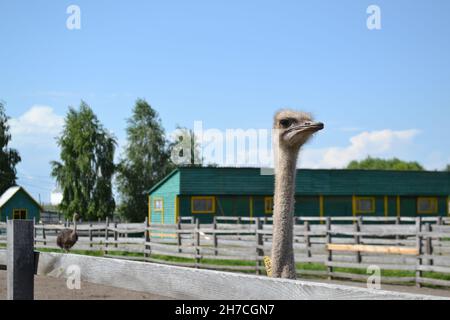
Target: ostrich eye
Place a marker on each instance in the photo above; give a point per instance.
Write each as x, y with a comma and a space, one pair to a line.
285, 123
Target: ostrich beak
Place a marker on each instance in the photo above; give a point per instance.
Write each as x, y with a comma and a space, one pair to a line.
315, 126
301, 132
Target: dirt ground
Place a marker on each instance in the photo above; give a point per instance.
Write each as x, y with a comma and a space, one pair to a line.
47, 288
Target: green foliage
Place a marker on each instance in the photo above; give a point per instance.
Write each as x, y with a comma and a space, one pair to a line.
9, 158
146, 161
382, 164
87, 165
447, 168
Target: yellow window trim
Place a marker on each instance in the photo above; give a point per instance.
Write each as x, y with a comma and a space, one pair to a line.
372, 199
162, 206
18, 211
448, 206
212, 198
267, 199
434, 200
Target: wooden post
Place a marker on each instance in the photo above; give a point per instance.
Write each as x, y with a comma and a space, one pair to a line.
216, 242
90, 235
330, 252
428, 245
147, 248
419, 250
307, 238
179, 240
106, 235
44, 235
20, 260
357, 229
259, 245
397, 222
116, 235
197, 243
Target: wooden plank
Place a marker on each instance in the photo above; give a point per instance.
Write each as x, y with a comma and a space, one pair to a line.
370, 248
20, 260
185, 283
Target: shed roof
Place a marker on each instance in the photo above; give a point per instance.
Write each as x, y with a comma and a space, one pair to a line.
250, 181
11, 192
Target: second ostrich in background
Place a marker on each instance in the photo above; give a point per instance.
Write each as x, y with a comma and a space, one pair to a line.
292, 130
68, 237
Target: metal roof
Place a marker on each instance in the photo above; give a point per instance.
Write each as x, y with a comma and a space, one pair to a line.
250, 181
8, 194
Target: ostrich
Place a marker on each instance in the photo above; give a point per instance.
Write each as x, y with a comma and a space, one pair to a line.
68, 237
292, 130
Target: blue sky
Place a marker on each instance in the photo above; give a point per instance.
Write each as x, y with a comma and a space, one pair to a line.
231, 64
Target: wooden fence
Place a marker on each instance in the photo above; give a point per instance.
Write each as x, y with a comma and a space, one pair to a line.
418, 246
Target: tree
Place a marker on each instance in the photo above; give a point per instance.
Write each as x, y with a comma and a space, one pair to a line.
146, 161
385, 164
447, 168
87, 165
9, 158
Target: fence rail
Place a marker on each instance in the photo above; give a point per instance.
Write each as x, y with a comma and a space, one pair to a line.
418, 246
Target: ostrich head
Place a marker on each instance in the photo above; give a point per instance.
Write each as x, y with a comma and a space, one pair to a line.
294, 128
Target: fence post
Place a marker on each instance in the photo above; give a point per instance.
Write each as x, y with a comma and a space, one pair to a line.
197, 243
20, 260
90, 235
44, 236
259, 245
330, 253
215, 241
397, 222
307, 238
106, 235
147, 248
428, 245
116, 235
179, 241
419, 249
357, 230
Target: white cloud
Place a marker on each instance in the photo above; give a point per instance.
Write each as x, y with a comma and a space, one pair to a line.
383, 143
37, 127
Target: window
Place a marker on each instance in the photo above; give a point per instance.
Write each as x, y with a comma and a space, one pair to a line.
19, 214
427, 205
158, 205
268, 205
203, 205
364, 204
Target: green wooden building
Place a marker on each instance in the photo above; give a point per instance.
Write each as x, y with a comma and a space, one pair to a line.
245, 192
16, 203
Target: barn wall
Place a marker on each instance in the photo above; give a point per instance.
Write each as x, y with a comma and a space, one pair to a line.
20, 201
168, 192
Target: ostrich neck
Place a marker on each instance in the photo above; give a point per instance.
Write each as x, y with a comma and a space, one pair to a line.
285, 182
283, 264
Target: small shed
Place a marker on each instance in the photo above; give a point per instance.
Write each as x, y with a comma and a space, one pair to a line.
17, 203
